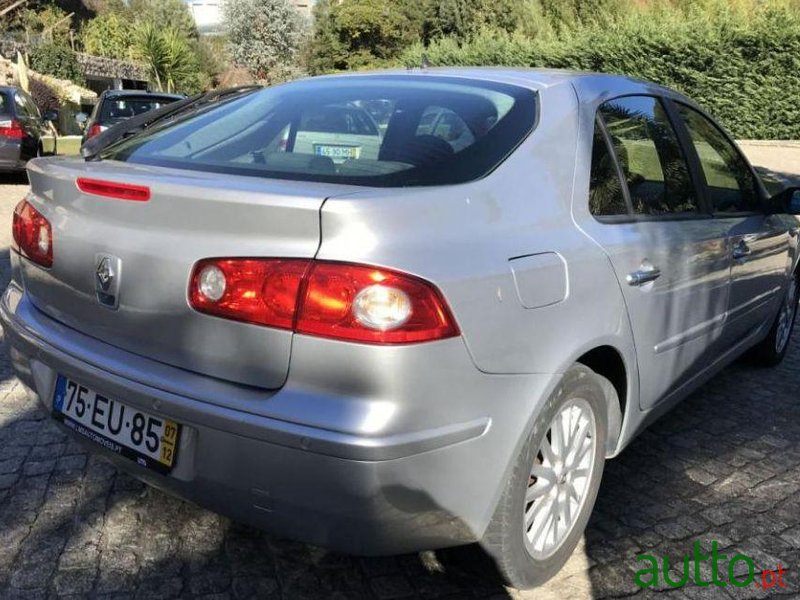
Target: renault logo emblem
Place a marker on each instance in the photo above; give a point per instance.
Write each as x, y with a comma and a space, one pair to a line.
107, 274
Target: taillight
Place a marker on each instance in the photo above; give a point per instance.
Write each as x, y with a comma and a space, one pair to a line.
33, 236
112, 189
334, 300
12, 129
263, 292
94, 131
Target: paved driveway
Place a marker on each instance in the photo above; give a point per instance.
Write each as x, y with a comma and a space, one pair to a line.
724, 467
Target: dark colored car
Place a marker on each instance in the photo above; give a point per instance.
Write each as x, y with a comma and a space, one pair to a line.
22, 127
115, 106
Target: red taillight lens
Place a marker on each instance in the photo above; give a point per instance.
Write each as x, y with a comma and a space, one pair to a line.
94, 131
368, 304
333, 300
263, 292
33, 236
111, 189
12, 129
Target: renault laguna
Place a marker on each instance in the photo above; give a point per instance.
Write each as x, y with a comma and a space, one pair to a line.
397, 311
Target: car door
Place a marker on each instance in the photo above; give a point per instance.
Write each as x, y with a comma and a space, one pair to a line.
669, 255
759, 243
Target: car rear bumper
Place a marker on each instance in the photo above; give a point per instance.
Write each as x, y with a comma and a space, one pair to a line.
345, 488
11, 156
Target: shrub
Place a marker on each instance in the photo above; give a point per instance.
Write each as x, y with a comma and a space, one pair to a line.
57, 60
109, 35
44, 97
743, 66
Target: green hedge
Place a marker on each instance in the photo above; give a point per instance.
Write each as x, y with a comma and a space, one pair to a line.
56, 60
744, 70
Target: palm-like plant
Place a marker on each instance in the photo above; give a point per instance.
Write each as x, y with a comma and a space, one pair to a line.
167, 53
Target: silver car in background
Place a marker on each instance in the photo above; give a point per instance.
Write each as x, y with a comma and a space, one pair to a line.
430, 344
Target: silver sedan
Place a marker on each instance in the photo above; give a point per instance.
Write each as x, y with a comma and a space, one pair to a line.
432, 342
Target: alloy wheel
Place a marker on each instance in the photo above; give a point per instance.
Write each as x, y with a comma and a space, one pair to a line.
559, 479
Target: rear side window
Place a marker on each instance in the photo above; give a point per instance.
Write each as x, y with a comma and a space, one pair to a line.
729, 182
652, 162
4, 108
373, 130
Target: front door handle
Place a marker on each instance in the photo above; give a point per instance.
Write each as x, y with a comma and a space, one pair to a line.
643, 276
741, 250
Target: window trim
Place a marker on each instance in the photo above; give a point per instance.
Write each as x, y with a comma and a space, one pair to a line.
703, 210
686, 137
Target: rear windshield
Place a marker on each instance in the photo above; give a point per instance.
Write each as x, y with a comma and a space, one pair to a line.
369, 130
125, 108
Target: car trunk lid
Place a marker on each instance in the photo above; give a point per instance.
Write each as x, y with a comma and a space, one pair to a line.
152, 246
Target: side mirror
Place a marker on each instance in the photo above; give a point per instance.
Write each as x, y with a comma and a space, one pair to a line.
786, 202
50, 115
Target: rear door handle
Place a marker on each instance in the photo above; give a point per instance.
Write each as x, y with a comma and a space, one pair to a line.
643, 276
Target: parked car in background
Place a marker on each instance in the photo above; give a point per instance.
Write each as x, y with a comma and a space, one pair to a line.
115, 106
338, 132
22, 128
410, 346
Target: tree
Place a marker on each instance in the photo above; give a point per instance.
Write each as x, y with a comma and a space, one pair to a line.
49, 22
354, 34
167, 13
265, 37
168, 55
108, 35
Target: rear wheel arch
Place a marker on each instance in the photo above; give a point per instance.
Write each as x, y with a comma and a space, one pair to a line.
607, 362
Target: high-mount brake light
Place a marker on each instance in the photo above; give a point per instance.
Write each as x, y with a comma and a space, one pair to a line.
112, 189
341, 301
33, 235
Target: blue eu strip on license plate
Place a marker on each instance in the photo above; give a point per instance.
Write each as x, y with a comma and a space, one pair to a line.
149, 440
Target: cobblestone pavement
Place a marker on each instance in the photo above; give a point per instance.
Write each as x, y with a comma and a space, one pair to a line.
724, 466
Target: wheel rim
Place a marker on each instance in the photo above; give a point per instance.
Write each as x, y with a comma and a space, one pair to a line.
559, 480
786, 317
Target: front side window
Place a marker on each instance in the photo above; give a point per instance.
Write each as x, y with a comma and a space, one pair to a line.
647, 148
378, 131
729, 182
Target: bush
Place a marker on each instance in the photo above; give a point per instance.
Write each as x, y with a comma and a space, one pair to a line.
56, 60
43, 96
108, 35
742, 65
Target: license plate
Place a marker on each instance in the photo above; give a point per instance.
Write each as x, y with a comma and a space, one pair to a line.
336, 152
150, 441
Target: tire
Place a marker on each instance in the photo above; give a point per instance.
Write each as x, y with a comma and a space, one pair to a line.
526, 563
771, 351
